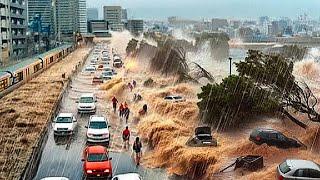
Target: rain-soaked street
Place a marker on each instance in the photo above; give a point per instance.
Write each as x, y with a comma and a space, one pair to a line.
62, 156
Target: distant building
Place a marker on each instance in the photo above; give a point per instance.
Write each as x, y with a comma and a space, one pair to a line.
264, 20
82, 16
43, 8
99, 28
124, 17
135, 26
92, 14
13, 30
219, 23
70, 17
113, 14
274, 28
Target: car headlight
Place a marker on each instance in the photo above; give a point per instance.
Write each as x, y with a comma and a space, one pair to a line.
89, 134
89, 171
105, 135
107, 171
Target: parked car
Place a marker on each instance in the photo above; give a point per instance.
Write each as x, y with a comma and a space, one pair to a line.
86, 103
55, 178
272, 138
174, 98
128, 176
64, 124
107, 75
202, 137
96, 162
97, 79
298, 169
98, 130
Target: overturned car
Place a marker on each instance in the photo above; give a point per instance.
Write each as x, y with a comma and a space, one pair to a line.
202, 138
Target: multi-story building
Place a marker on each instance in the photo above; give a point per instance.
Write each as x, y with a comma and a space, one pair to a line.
219, 23
13, 27
99, 28
113, 14
135, 26
124, 17
70, 17
92, 14
43, 8
82, 16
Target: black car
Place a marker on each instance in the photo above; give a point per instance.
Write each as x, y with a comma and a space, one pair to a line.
272, 138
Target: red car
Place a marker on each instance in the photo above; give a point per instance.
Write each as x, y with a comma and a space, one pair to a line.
97, 162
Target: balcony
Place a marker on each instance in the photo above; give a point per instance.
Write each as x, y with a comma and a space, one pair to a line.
4, 2
17, 5
18, 26
18, 36
4, 12
18, 15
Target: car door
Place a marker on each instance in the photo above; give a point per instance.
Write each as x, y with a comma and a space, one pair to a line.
304, 174
273, 139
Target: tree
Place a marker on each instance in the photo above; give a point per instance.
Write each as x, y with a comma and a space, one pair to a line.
265, 84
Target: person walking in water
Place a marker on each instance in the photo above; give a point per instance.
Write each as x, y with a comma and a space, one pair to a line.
126, 113
134, 83
121, 108
137, 148
126, 137
114, 104
130, 87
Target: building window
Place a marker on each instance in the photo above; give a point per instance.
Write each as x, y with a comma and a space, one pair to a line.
18, 77
37, 67
51, 59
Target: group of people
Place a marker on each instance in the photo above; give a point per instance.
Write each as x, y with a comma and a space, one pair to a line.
124, 110
132, 85
137, 145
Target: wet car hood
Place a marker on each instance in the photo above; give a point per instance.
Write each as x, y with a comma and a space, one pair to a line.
86, 105
98, 131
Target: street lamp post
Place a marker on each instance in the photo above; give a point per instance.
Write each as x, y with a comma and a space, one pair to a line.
230, 59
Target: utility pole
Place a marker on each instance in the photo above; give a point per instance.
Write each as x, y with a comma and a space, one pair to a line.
230, 59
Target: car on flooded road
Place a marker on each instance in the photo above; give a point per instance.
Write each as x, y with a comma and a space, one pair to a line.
174, 98
98, 130
202, 138
89, 70
86, 103
107, 75
64, 124
128, 176
296, 169
96, 163
272, 138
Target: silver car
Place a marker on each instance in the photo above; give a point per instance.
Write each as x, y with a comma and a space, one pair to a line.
298, 169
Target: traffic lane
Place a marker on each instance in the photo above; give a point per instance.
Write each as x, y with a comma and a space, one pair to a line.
62, 156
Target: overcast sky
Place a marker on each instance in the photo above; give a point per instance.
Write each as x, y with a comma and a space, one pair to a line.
198, 9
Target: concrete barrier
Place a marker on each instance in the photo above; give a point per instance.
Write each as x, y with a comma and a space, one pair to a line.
31, 168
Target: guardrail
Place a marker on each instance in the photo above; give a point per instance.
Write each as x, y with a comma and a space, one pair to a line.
31, 168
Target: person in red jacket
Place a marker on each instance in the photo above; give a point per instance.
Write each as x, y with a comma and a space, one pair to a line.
121, 108
114, 104
126, 137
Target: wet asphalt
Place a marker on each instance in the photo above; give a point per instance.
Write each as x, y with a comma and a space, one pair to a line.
62, 156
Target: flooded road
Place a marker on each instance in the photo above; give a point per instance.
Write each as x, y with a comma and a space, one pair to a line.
62, 156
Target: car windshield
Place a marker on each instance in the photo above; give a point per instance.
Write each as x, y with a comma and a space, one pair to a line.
64, 120
89, 69
178, 97
168, 97
98, 125
97, 157
86, 100
109, 73
284, 168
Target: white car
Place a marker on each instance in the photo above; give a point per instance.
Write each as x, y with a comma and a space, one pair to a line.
174, 98
55, 178
128, 176
64, 124
98, 129
107, 75
86, 103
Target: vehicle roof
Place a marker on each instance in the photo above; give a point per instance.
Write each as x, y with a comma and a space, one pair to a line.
97, 118
173, 96
302, 164
87, 95
96, 149
65, 115
128, 176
